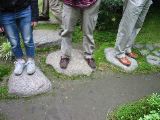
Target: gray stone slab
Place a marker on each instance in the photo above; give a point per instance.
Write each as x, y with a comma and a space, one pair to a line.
29, 85
46, 37
157, 53
138, 46
110, 56
77, 65
150, 47
157, 45
153, 60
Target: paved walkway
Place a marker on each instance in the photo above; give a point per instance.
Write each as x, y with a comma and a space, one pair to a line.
88, 99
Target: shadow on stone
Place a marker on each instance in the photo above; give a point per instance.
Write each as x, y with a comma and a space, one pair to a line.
110, 56
29, 85
77, 65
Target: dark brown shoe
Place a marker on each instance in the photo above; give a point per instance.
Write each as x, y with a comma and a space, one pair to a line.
64, 62
91, 62
132, 55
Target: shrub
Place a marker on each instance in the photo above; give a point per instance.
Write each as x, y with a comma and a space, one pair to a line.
110, 14
5, 51
144, 109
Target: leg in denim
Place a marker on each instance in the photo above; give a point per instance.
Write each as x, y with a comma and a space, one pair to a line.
9, 23
24, 24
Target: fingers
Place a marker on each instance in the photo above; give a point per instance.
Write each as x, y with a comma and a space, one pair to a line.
34, 24
1, 29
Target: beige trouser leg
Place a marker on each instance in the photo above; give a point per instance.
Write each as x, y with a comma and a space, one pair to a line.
56, 9
45, 8
69, 20
138, 26
132, 13
90, 16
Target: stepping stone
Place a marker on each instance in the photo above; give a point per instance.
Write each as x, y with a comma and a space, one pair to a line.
157, 53
157, 45
144, 52
150, 47
29, 85
153, 60
138, 46
77, 65
110, 54
46, 37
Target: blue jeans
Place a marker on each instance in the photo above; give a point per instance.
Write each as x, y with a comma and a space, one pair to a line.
15, 23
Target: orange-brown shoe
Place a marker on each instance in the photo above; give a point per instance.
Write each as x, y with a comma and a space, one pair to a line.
132, 55
125, 61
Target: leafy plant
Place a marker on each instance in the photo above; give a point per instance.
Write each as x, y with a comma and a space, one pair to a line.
110, 14
145, 109
154, 115
5, 51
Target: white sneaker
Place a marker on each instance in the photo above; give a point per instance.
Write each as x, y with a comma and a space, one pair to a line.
19, 67
30, 66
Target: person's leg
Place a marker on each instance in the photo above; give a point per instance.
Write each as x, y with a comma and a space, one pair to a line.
24, 24
127, 24
90, 16
9, 23
45, 8
129, 19
138, 26
56, 9
69, 20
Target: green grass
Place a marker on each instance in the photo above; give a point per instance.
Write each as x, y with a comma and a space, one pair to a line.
4, 71
4, 94
137, 109
150, 32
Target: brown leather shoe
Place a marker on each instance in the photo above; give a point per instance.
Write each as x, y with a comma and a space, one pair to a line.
91, 62
64, 62
132, 55
125, 61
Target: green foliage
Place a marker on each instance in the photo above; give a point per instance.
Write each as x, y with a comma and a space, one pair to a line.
5, 51
110, 14
144, 109
4, 93
4, 71
154, 115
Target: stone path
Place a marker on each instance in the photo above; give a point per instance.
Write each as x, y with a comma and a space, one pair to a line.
46, 37
88, 99
28, 85
77, 65
151, 52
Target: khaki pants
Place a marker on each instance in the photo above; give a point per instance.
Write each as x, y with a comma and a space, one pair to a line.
56, 9
45, 8
70, 17
131, 23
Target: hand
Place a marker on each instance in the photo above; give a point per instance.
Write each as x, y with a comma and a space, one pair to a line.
34, 24
1, 29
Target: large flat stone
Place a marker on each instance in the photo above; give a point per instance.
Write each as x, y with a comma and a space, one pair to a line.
77, 65
110, 56
29, 85
46, 37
